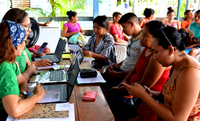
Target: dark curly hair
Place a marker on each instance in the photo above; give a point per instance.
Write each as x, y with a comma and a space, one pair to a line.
178, 38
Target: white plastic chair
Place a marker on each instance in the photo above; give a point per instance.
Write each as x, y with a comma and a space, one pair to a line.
197, 57
120, 52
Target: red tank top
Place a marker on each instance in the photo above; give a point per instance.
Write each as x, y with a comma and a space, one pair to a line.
140, 69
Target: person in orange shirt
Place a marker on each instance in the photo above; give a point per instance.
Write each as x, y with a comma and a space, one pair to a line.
188, 19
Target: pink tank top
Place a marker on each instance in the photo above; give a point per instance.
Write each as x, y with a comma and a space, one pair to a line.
173, 25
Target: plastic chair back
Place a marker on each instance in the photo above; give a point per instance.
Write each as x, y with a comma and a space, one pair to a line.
120, 52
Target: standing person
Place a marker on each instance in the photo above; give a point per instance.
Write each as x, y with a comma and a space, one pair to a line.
188, 19
116, 31
12, 44
147, 71
181, 92
72, 27
100, 46
116, 73
149, 15
169, 19
195, 27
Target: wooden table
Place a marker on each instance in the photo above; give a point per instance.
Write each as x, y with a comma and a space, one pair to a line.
97, 110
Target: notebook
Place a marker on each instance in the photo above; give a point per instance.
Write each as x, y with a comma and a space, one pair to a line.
61, 92
58, 52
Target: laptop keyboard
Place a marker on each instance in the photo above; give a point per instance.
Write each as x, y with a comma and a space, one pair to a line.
57, 76
51, 58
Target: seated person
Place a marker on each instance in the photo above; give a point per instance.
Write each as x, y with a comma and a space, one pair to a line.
12, 42
101, 44
116, 31
34, 48
147, 71
20, 16
119, 71
72, 27
188, 20
195, 27
181, 92
149, 15
169, 19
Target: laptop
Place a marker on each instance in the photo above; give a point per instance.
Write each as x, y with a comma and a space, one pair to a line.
61, 92
57, 55
79, 56
56, 76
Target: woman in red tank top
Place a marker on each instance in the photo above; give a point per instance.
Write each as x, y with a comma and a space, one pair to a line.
147, 72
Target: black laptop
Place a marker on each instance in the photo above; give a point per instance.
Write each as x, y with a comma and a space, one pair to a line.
57, 55
61, 92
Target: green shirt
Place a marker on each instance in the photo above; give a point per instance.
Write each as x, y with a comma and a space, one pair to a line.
28, 54
8, 81
22, 61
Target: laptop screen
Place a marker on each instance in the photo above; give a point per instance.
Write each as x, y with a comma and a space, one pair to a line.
72, 79
60, 48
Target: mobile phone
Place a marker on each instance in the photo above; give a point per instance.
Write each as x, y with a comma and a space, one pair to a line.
39, 51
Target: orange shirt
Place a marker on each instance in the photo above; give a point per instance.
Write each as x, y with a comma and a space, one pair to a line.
185, 24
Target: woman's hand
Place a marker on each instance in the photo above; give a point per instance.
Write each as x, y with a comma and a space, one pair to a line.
87, 53
43, 62
35, 54
40, 92
136, 90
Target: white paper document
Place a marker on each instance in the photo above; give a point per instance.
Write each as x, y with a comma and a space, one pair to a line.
51, 96
98, 79
62, 107
74, 47
70, 118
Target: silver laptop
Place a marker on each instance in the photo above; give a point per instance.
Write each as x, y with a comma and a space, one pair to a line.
61, 92
57, 55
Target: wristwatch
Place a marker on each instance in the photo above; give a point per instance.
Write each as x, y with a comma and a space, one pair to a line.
23, 93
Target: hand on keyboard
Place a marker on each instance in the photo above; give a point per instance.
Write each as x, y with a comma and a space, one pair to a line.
43, 62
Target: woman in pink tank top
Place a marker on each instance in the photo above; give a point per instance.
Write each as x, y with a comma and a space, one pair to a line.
72, 27
169, 19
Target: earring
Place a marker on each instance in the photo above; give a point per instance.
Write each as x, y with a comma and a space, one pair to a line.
170, 57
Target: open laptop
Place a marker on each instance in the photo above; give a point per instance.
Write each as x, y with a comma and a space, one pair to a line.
61, 92
57, 55
79, 56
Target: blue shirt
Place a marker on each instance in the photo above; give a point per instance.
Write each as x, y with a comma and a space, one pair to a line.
196, 29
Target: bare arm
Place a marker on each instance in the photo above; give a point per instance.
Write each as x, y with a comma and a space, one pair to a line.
43, 62
141, 22
118, 40
65, 34
125, 37
15, 106
94, 55
179, 24
81, 30
22, 82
